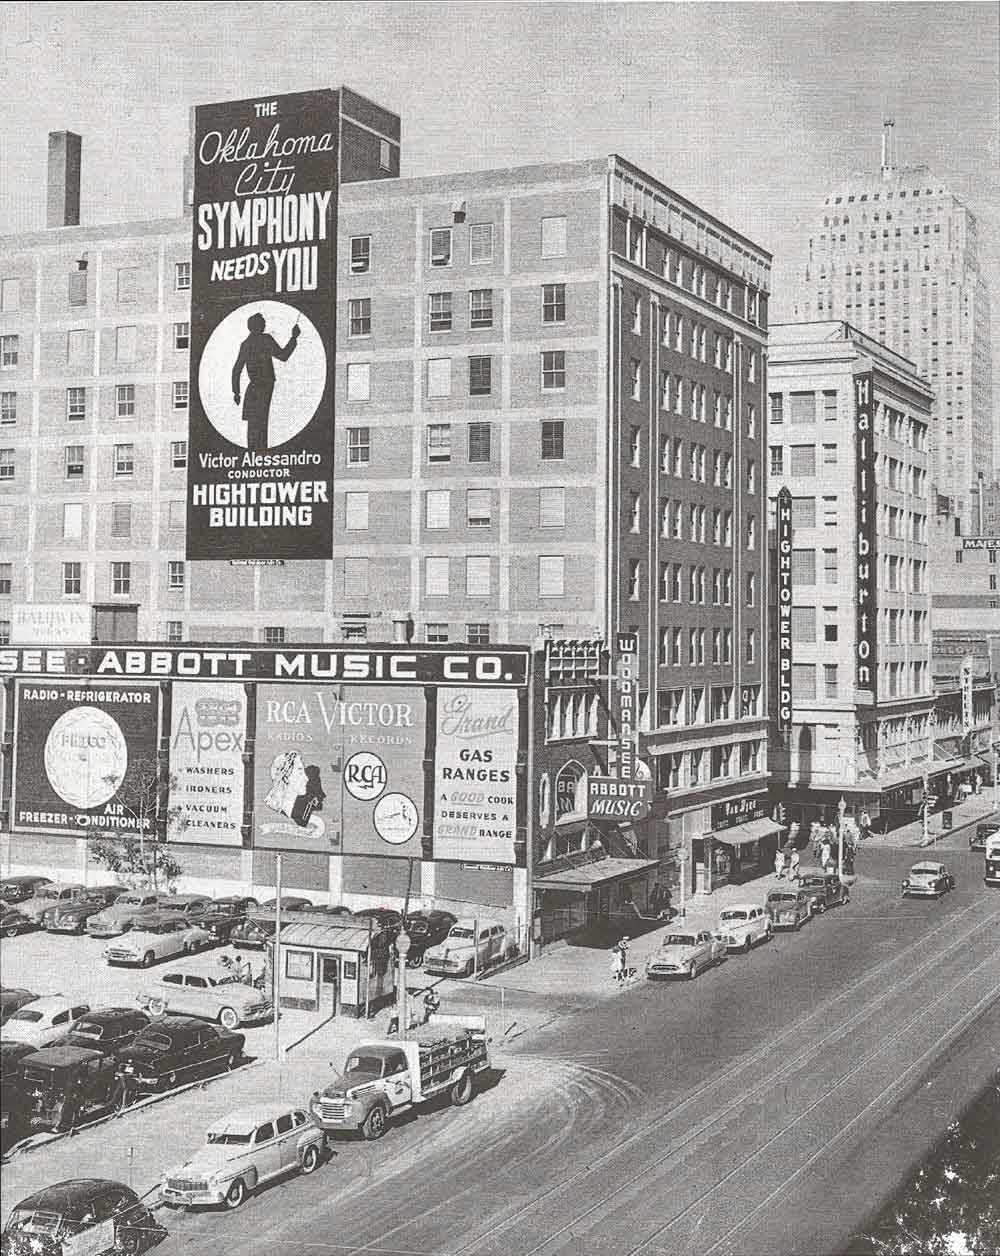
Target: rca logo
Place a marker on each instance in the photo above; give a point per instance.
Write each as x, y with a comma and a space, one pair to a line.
365, 776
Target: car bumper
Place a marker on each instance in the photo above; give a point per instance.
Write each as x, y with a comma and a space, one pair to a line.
65, 926
788, 922
665, 974
190, 1198
337, 1114
122, 958
923, 891
445, 967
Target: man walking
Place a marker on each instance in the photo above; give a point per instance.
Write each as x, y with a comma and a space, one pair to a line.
793, 865
256, 356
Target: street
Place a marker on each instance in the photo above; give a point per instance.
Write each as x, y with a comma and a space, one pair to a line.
755, 1110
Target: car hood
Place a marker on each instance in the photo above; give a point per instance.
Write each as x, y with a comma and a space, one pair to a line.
207, 1160
673, 954
734, 926
340, 1085
446, 949
24, 1031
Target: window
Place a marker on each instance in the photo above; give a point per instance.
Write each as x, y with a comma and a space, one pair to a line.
635, 446
551, 575
480, 376
634, 578
803, 682
777, 407
124, 461
125, 344
74, 462
359, 381
635, 377
479, 442
829, 455
665, 390
8, 407
175, 574
803, 460
554, 303
355, 578
481, 308
478, 507
182, 276
358, 446
439, 377
178, 454
439, 311
10, 295
274, 635
355, 512
440, 243
6, 577
477, 634
477, 576
554, 236
830, 680
830, 406
125, 401
635, 511
8, 352
830, 574
751, 366
128, 283
750, 653
436, 634
802, 407
175, 516
121, 579
182, 335
72, 529
361, 254
554, 369
776, 463
480, 243
751, 478
751, 421
439, 442
803, 566
803, 512
552, 507
121, 519
637, 316
79, 348
437, 508
436, 577
804, 623
180, 394
552, 439
4, 632
359, 315
72, 579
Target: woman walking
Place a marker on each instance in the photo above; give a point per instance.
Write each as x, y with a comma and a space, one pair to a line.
779, 863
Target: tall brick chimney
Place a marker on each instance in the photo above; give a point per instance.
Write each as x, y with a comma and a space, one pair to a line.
63, 199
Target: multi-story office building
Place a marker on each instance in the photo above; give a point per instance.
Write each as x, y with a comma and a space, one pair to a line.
848, 436
897, 255
985, 508
965, 579
549, 422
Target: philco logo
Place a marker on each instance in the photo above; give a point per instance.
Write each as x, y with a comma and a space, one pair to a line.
365, 776
85, 757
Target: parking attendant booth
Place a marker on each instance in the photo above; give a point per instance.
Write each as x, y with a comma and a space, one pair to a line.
335, 970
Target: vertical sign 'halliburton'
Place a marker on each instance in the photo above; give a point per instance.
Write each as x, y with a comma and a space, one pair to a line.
263, 335
864, 498
784, 610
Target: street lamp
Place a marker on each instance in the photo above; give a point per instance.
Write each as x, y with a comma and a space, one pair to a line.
841, 811
402, 950
996, 774
682, 860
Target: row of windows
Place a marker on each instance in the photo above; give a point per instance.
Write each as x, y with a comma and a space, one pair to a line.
76, 402
804, 407
441, 310
438, 376
697, 767
120, 577
441, 242
673, 515
691, 337
551, 508
440, 442
684, 707
75, 460
686, 397
892, 682
673, 640
80, 346
127, 286
672, 585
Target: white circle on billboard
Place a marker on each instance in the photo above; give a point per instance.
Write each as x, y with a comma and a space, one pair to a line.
365, 776
85, 757
257, 346
395, 818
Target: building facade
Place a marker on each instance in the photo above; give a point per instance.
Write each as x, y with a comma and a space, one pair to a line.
848, 436
897, 255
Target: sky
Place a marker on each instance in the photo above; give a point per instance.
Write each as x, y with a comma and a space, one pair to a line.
754, 111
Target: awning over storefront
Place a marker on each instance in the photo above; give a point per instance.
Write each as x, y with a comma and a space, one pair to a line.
590, 875
751, 831
950, 765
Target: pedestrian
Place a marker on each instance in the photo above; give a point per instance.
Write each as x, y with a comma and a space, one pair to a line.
826, 854
816, 837
793, 865
617, 964
779, 863
865, 821
977, 783
431, 1004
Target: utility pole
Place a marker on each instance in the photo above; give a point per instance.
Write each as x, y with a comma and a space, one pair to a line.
996, 774
841, 811
926, 810
276, 958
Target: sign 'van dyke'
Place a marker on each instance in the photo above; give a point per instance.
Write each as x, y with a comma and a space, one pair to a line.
784, 610
263, 343
865, 516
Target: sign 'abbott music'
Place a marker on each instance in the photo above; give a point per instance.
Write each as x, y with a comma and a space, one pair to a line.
263, 300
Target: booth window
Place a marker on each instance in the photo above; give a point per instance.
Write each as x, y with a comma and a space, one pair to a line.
299, 965
350, 969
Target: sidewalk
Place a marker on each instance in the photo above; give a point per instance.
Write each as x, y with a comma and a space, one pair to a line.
964, 815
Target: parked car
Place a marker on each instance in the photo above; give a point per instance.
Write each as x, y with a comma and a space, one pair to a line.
191, 906
231, 1003
289, 902
55, 894
224, 914
343, 913
20, 889
108, 1029
65, 1086
11, 998
788, 909
85, 1215
128, 909
743, 924
242, 1151
686, 955
470, 945
982, 831
385, 918
43, 1020
176, 1050
928, 880
162, 938
72, 916
251, 933
426, 928
825, 889
14, 921
13, 1100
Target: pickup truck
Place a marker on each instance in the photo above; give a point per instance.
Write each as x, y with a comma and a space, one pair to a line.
384, 1078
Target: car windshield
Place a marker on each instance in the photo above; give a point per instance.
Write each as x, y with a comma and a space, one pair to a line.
678, 939
925, 870
26, 1014
130, 900
35, 1221
88, 1031
460, 933
51, 891
733, 916
783, 898
229, 1140
365, 1064
174, 906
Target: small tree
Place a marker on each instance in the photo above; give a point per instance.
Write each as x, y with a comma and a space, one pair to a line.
139, 858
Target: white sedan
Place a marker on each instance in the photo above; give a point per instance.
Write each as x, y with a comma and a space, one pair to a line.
160, 940
43, 1020
686, 955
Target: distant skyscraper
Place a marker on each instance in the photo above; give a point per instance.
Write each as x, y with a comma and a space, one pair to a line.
896, 255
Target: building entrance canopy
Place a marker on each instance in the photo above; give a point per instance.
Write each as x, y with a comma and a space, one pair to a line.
743, 834
590, 876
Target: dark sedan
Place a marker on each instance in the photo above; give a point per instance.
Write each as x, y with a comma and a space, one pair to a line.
108, 1030
20, 889
825, 889
13, 922
224, 914
384, 918
983, 831
92, 1215
289, 902
72, 916
176, 1050
13, 998
426, 928
13, 1094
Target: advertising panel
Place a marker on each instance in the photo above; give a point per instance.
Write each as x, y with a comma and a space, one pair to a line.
865, 521
208, 724
726, 815
263, 302
609, 798
981, 542
626, 694
340, 769
73, 746
784, 538
52, 623
475, 782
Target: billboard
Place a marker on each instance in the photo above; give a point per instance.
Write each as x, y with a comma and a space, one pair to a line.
475, 782
626, 703
263, 342
784, 539
340, 769
866, 624
208, 723
54, 623
73, 745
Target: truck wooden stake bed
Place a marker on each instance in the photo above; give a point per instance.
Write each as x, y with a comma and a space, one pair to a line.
389, 1076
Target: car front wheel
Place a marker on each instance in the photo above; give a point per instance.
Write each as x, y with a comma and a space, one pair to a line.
229, 1018
148, 959
374, 1124
236, 1194
310, 1159
692, 971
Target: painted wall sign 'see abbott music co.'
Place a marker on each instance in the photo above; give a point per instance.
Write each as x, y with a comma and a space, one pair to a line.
263, 343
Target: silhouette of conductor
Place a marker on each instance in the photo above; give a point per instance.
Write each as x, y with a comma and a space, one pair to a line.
257, 354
